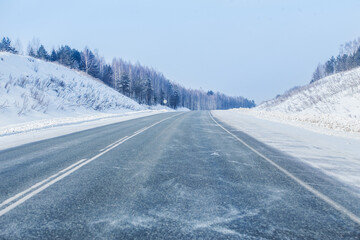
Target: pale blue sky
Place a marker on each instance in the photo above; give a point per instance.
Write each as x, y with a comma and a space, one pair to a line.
255, 49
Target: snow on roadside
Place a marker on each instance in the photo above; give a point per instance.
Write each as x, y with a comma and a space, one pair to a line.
330, 105
336, 156
27, 132
330, 124
61, 121
182, 109
40, 99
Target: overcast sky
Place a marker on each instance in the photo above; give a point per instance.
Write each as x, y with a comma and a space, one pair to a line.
256, 49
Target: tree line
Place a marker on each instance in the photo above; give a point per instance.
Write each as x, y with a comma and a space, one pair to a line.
348, 58
141, 83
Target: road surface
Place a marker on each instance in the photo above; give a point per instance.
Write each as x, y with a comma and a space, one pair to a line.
168, 176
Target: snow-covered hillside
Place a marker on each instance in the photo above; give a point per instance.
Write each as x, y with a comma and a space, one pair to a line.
330, 105
35, 94
32, 87
336, 94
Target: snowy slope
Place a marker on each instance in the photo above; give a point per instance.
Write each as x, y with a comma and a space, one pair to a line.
32, 89
336, 94
330, 105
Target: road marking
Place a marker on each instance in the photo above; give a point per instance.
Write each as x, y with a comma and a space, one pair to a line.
112, 144
318, 194
140, 130
38, 187
38, 184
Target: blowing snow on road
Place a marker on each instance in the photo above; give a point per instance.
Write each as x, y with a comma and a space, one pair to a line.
171, 175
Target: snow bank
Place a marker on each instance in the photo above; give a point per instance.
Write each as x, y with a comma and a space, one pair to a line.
182, 109
27, 132
27, 126
330, 124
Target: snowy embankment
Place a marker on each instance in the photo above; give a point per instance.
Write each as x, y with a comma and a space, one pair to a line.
330, 105
34, 88
336, 156
330, 124
28, 132
38, 95
318, 123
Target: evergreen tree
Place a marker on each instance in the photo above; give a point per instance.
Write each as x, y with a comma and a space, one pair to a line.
107, 75
53, 56
32, 53
5, 46
210, 93
356, 58
330, 66
75, 59
64, 56
125, 83
42, 53
149, 91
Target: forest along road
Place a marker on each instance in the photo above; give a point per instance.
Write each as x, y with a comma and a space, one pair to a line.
167, 176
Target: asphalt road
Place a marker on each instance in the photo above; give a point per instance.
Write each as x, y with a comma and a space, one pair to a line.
168, 176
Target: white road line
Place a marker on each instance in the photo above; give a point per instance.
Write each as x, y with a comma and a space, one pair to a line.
318, 194
7, 201
112, 144
140, 130
63, 173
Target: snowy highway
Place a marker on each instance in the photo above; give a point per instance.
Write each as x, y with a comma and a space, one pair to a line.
168, 176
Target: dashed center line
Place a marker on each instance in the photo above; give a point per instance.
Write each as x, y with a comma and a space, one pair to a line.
25, 195
112, 144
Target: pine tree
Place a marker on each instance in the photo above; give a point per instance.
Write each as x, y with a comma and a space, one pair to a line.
53, 56
149, 91
330, 66
5, 46
125, 83
75, 59
32, 53
64, 55
107, 75
42, 53
210, 93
